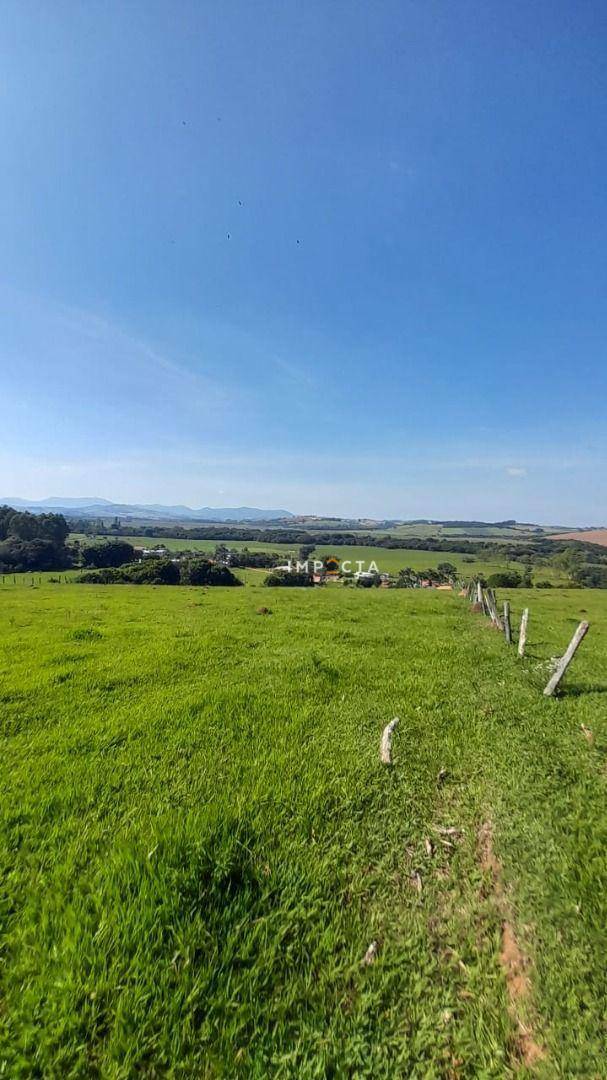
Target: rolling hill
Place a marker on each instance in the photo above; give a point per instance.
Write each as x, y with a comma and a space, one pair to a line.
94, 508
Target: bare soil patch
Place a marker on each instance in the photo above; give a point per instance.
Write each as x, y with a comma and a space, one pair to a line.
588, 536
514, 963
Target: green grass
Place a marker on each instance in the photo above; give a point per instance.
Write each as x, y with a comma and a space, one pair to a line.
389, 560
199, 842
196, 545
450, 532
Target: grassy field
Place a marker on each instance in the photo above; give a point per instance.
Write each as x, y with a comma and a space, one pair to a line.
196, 545
389, 560
199, 843
513, 534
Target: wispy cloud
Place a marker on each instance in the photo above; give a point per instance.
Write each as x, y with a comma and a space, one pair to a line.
516, 470
110, 335
294, 372
51, 336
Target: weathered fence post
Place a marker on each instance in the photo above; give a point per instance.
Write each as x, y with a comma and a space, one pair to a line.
566, 659
479, 593
489, 600
522, 637
385, 747
498, 620
492, 606
507, 630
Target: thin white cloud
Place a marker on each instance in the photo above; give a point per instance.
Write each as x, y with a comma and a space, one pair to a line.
295, 373
112, 337
516, 470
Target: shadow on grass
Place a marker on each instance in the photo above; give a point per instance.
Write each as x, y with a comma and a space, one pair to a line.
576, 690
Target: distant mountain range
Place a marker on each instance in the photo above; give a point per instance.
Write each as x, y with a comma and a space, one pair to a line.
103, 508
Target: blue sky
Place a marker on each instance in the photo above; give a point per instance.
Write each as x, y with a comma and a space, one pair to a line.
343, 258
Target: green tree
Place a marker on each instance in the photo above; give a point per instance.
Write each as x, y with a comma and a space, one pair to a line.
570, 560
288, 579
107, 553
407, 578
205, 572
447, 571
505, 579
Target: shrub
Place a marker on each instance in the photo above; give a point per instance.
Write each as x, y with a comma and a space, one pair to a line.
431, 574
162, 572
151, 572
108, 576
370, 582
447, 570
205, 572
288, 578
591, 577
107, 553
257, 560
543, 585
407, 578
154, 572
505, 579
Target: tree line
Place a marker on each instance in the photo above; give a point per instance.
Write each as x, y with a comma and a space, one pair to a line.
584, 563
195, 571
540, 545
32, 541
39, 542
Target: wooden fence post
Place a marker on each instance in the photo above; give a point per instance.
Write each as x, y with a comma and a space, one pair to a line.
491, 604
566, 659
385, 747
507, 630
522, 637
498, 620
